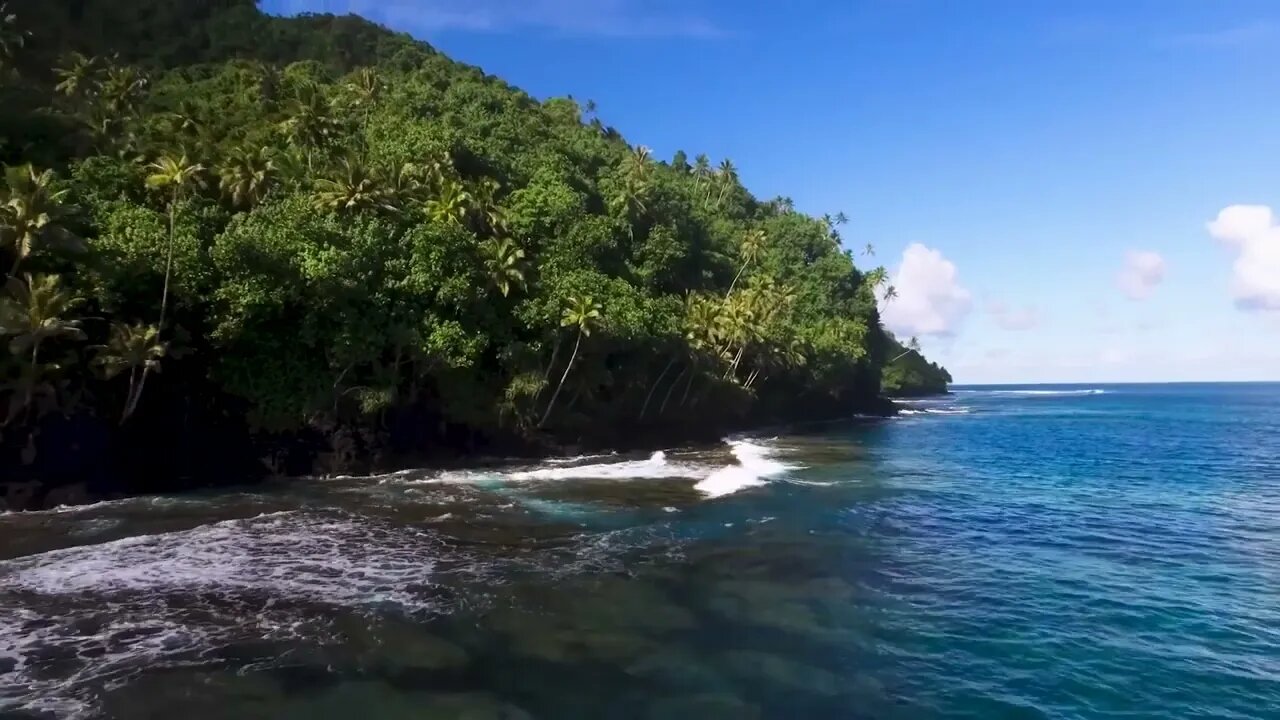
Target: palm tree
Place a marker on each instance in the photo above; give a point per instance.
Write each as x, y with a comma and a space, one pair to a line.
504, 262
310, 124
31, 213
912, 346
890, 293
33, 314
178, 176
77, 75
186, 119
701, 170
752, 243
639, 164
701, 324
449, 207
728, 177
402, 184
122, 89
137, 349
247, 176
876, 277
841, 218
356, 189
581, 313
484, 208
365, 88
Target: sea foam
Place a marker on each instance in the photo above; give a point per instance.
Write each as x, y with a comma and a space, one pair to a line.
755, 465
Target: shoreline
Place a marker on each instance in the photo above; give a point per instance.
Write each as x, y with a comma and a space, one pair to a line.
35, 495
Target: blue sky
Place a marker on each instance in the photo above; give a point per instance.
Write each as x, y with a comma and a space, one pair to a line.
1040, 178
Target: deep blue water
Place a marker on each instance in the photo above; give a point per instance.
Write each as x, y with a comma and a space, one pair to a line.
1084, 552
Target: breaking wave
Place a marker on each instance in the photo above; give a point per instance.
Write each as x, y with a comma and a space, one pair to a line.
755, 465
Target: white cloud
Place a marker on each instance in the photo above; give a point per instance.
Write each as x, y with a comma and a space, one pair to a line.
608, 18
1143, 272
930, 299
1013, 318
1251, 230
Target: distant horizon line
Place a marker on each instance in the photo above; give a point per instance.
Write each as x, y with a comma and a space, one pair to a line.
1117, 382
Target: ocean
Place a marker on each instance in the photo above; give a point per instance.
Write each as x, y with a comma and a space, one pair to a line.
1081, 552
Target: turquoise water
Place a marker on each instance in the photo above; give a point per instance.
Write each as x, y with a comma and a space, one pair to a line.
1048, 552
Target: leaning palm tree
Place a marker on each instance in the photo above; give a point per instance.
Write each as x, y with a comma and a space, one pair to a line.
583, 314
505, 264
136, 349
247, 176
869, 250
35, 312
30, 215
875, 278
752, 243
728, 177
179, 176
701, 171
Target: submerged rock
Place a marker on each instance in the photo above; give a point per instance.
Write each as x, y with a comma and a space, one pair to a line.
471, 706
194, 695
757, 666
706, 706
676, 668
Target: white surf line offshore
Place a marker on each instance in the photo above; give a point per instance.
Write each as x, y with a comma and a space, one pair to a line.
1035, 393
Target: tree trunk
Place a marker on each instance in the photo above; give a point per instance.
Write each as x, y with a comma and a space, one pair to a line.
168, 266
667, 398
31, 381
546, 373
734, 284
572, 358
137, 396
128, 399
688, 386
652, 390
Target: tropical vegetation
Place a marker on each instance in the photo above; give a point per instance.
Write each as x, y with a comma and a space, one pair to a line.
227, 235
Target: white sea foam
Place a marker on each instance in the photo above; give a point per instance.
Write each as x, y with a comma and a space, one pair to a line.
657, 466
1034, 393
578, 459
335, 560
958, 410
111, 606
755, 465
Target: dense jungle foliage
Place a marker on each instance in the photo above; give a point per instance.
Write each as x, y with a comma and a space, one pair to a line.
227, 235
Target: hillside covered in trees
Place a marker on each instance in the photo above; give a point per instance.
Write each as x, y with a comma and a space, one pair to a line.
229, 237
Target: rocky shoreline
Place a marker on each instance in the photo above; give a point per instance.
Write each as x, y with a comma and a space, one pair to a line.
69, 461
